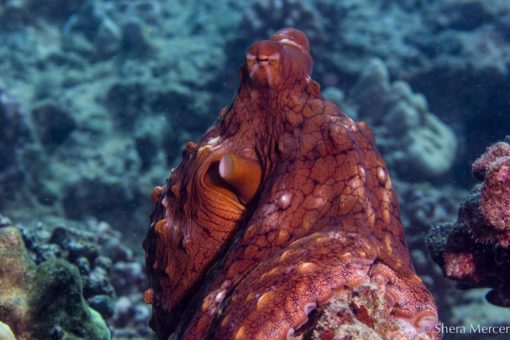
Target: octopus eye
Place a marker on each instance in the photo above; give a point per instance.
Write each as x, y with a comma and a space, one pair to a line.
263, 63
262, 59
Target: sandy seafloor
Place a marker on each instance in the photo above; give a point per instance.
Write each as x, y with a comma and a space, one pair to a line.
98, 97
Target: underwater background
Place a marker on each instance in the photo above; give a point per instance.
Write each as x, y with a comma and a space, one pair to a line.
98, 97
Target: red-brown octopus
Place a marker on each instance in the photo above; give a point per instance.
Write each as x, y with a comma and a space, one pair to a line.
284, 204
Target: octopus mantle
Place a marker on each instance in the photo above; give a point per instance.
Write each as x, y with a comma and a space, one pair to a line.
283, 205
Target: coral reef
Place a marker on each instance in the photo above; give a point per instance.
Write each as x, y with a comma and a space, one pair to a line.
262, 15
97, 98
95, 268
16, 144
359, 315
16, 273
288, 200
40, 302
475, 250
100, 117
57, 308
414, 141
125, 91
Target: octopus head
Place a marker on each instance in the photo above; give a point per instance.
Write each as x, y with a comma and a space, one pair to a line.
283, 60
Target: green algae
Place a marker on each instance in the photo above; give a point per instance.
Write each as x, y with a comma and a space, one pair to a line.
57, 304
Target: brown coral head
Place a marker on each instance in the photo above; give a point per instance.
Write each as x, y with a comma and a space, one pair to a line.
280, 61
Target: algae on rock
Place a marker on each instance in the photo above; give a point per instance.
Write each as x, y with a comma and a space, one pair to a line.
44, 301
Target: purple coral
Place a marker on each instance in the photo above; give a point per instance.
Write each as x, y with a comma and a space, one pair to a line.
495, 193
475, 250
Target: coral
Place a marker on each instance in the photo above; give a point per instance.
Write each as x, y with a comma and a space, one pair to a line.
282, 202
56, 9
102, 96
15, 131
360, 314
57, 304
427, 204
495, 194
108, 272
6, 332
414, 141
38, 301
258, 19
16, 273
475, 250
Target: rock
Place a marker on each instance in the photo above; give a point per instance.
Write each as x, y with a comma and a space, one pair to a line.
97, 283
475, 250
37, 299
56, 300
55, 9
54, 123
103, 304
127, 277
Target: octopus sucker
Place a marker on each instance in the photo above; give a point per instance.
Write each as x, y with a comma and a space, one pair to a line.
148, 296
156, 194
264, 299
283, 206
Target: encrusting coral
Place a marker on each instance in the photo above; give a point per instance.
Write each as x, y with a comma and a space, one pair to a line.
475, 251
324, 220
43, 301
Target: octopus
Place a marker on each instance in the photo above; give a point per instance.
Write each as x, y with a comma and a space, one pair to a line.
283, 204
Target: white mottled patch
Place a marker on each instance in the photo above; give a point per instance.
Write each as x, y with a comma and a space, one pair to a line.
213, 141
220, 296
284, 201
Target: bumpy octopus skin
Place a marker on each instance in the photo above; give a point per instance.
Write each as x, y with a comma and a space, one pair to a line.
283, 203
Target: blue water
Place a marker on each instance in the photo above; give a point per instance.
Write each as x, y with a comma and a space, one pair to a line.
98, 97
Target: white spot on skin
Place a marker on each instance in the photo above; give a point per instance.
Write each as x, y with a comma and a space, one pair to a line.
362, 173
213, 141
381, 175
220, 296
284, 201
351, 126
289, 42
